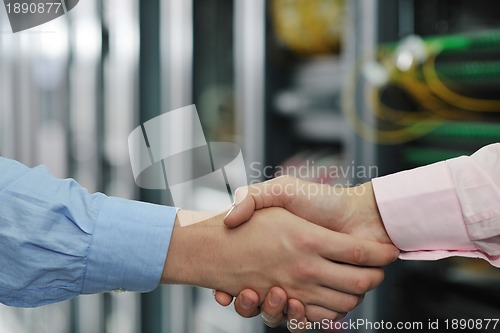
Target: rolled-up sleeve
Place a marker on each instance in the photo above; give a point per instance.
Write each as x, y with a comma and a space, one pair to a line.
58, 241
450, 208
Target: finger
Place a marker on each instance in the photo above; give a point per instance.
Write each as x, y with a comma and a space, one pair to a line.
222, 298
348, 278
248, 199
296, 316
316, 313
243, 208
352, 250
274, 307
333, 300
247, 303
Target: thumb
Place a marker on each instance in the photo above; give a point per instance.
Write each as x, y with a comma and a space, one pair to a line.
272, 193
242, 210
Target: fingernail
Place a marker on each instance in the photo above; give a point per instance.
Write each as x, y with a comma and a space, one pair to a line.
274, 300
213, 292
246, 302
267, 319
229, 212
239, 195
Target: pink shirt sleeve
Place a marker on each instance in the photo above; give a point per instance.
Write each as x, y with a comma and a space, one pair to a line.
450, 208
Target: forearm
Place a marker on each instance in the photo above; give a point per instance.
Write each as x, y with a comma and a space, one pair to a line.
195, 250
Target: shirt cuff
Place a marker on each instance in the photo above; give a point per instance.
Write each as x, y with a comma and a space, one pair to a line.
129, 246
421, 212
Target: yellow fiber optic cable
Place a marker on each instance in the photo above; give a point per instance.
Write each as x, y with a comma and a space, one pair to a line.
452, 97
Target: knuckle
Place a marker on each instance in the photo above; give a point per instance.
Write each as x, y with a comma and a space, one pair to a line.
362, 285
359, 255
305, 242
303, 271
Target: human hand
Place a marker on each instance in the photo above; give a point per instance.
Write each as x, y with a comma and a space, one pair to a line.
277, 248
348, 210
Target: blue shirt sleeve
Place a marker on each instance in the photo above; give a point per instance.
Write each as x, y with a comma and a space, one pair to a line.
58, 241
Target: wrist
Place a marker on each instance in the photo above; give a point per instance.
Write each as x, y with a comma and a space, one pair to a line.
194, 250
366, 213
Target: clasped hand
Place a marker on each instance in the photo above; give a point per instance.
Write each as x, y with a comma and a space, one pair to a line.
351, 211
314, 256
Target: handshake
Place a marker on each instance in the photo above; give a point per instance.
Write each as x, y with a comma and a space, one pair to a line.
289, 248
